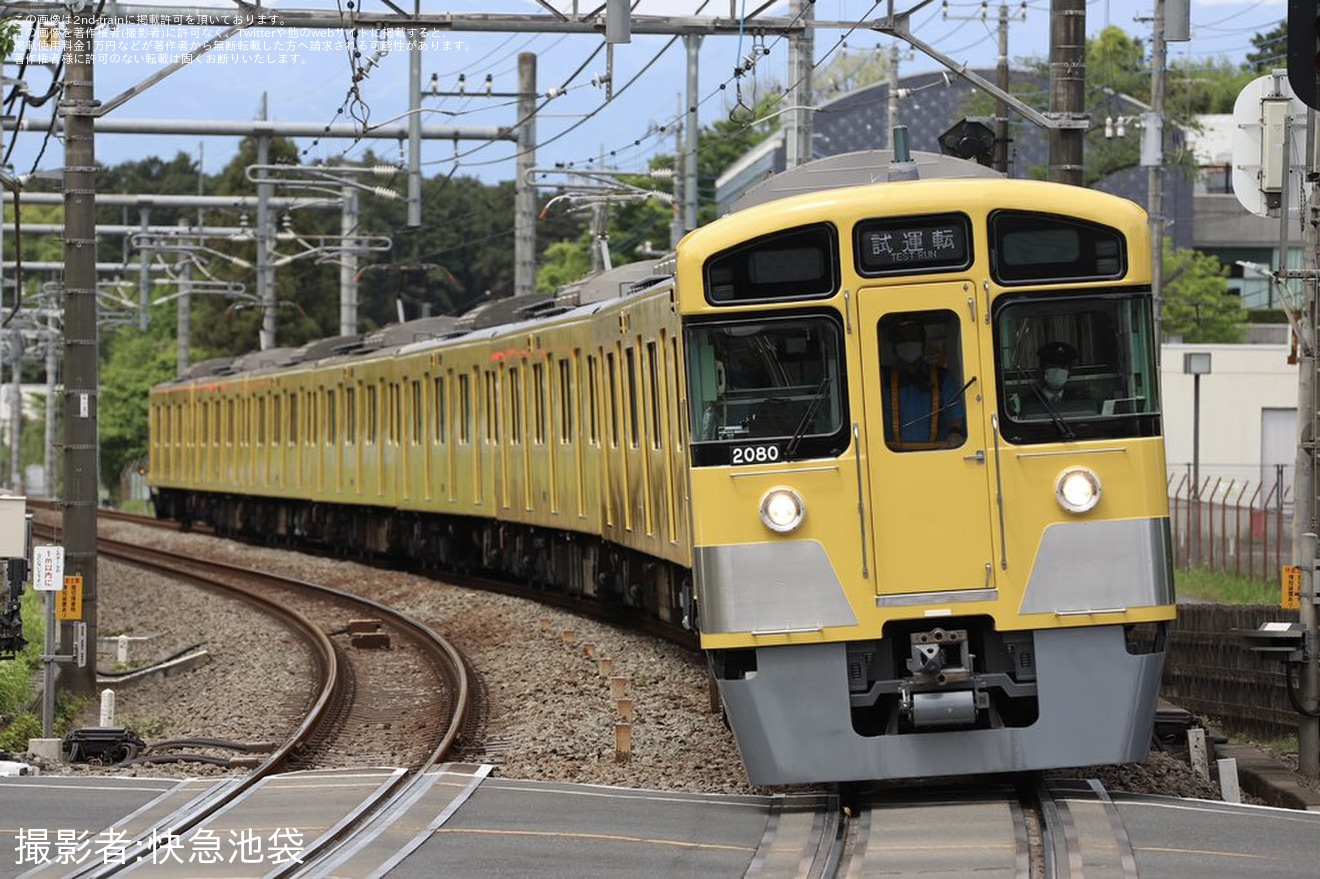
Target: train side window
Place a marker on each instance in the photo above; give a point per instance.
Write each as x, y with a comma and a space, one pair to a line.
515, 405
395, 413
293, 418
565, 400
633, 427
653, 376
612, 390
464, 410
350, 415
799, 263
438, 413
538, 403
593, 398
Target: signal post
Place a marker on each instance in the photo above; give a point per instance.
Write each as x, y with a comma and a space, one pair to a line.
1303, 76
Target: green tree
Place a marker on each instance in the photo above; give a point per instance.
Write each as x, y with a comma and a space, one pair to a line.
563, 263
1197, 305
1118, 69
132, 364
847, 71
1270, 50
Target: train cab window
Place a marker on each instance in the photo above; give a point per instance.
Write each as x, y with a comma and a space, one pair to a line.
921, 381
797, 263
1031, 248
1076, 367
766, 389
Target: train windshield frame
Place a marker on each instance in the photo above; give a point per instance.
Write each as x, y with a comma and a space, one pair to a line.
1076, 366
765, 388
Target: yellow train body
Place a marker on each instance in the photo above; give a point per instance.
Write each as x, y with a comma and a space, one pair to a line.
875, 602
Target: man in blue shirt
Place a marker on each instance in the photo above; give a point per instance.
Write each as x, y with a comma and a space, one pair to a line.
923, 405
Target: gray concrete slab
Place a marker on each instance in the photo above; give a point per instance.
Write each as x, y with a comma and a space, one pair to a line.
66, 809
268, 826
1174, 839
554, 831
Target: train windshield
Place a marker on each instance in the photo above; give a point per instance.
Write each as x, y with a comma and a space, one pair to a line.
765, 390
1076, 367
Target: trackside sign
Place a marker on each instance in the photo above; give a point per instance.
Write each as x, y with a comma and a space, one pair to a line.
48, 568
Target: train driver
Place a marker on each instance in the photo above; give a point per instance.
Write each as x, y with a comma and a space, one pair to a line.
1050, 392
922, 401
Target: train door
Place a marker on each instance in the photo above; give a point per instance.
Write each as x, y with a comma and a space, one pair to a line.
929, 488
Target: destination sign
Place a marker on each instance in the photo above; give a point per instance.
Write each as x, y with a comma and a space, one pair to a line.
913, 244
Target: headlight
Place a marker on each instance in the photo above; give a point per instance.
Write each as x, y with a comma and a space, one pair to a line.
1078, 490
782, 510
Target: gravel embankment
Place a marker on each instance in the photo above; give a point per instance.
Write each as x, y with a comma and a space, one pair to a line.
551, 713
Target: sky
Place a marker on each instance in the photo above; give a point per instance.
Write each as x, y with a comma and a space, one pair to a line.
305, 78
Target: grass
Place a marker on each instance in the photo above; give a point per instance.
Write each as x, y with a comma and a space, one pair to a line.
16, 691
16, 674
1223, 588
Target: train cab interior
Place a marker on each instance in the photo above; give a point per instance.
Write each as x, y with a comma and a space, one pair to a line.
755, 380
1075, 368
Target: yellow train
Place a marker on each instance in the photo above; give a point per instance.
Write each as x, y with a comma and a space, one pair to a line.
893, 450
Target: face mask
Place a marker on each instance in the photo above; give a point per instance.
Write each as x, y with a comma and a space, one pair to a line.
1056, 378
908, 352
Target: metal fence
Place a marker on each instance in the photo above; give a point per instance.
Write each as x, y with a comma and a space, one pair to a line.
1232, 525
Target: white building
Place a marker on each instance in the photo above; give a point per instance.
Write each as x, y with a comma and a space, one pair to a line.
1248, 417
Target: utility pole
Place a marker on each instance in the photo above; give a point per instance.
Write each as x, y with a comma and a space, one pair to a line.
183, 332
16, 414
1000, 158
1067, 87
1153, 133
349, 219
797, 121
81, 376
680, 182
265, 242
893, 95
524, 188
692, 134
1305, 525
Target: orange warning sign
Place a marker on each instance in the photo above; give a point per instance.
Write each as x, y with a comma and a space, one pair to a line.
68, 601
1291, 578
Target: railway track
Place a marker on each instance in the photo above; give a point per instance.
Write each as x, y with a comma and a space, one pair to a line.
991, 832
388, 692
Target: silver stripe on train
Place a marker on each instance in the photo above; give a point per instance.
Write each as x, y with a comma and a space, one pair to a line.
769, 588
1085, 566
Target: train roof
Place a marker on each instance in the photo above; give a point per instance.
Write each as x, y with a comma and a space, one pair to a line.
506, 309
488, 319
614, 283
408, 332
206, 368
856, 169
263, 361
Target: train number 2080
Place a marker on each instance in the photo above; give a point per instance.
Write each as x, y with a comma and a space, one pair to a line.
754, 454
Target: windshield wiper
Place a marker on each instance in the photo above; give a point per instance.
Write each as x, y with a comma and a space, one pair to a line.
1064, 430
807, 418
936, 414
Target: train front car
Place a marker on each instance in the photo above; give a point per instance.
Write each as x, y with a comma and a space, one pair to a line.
927, 479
